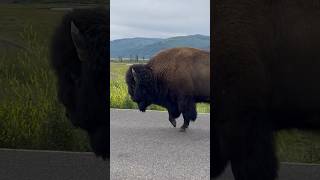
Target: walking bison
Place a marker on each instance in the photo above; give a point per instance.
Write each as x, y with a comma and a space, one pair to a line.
176, 79
80, 58
266, 69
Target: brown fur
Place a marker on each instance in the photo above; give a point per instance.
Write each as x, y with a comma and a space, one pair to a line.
186, 70
177, 79
266, 73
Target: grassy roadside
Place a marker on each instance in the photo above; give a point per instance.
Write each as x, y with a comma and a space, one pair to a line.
30, 115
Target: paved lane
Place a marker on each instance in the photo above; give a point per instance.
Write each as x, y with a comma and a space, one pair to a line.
143, 146
288, 171
146, 146
50, 165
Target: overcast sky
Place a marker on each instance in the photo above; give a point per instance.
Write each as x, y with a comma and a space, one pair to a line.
159, 18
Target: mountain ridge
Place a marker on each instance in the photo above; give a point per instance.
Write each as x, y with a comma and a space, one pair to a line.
147, 47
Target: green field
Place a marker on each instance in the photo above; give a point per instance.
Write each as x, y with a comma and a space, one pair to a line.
30, 115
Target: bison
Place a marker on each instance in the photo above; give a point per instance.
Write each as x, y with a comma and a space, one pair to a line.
265, 72
176, 79
80, 58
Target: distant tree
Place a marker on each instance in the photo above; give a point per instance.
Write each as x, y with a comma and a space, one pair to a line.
137, 58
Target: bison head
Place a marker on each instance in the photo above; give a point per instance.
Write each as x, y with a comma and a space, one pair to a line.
90, 91
141, 85
79, 58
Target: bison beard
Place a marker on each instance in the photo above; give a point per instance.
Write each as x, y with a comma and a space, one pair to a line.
176, 79
266, 69
79, 56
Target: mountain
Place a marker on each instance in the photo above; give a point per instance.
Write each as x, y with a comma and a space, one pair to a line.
129, 46
147, 47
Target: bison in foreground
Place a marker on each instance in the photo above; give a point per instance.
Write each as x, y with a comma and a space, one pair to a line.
80, 59
176, 79
266, 73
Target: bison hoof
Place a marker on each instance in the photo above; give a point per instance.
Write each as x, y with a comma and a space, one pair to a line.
173, 122
183, 128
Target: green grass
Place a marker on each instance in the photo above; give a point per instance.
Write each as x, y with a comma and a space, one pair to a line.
14, 18
30, 115
298, 146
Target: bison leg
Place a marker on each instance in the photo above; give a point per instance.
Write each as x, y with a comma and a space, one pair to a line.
244, 130
173, 114
246, 139
255, 157
188, 108
172, 121
185, 125
219, 155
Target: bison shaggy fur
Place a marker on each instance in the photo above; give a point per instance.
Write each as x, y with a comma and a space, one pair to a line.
266, 69
176, 79
79, 56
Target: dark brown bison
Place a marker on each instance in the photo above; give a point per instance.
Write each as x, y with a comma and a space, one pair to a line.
176, 79
265, 71
80, 58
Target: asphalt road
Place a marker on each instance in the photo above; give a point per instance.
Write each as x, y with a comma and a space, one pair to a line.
146, 146
288, 171
51, 165
143, 146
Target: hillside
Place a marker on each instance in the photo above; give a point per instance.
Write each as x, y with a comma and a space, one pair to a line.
147, 47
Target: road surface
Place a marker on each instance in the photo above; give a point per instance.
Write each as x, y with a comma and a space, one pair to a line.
143, 146
146, 146
288, 171
50, 165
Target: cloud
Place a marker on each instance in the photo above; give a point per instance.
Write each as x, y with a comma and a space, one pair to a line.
153, 18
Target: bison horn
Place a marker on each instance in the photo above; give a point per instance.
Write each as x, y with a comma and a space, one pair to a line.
79, 42
134, 74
